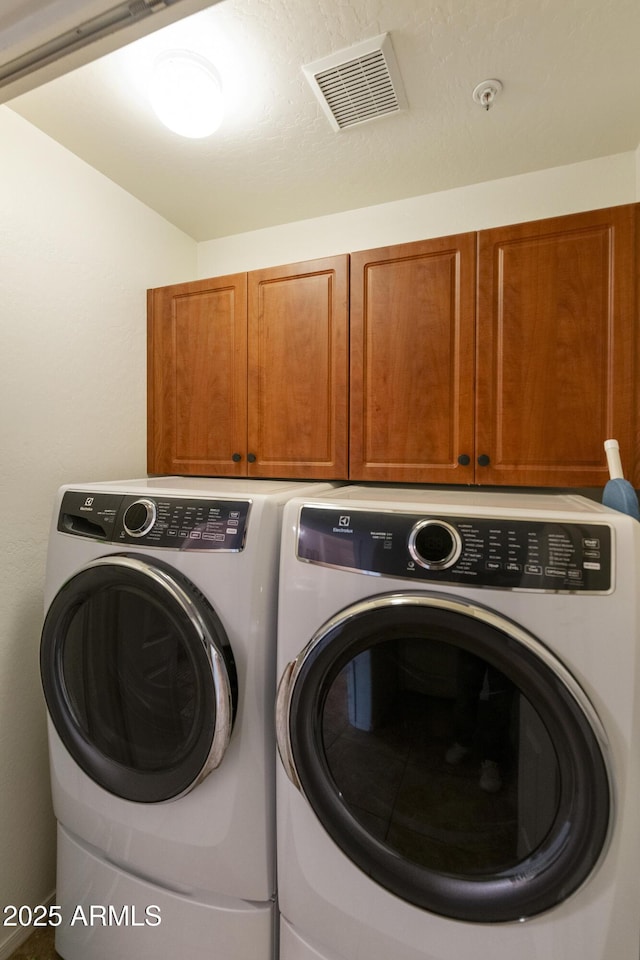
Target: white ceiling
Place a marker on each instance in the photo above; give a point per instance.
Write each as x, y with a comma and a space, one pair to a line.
570, 71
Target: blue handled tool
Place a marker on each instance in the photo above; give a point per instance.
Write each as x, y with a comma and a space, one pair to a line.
618, 493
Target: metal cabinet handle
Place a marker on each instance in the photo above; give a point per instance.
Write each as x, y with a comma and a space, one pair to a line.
252, 458
484, 460
236, 457
464, 459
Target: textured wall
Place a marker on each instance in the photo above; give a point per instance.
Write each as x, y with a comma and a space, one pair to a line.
570, 70
604, 182
76, 256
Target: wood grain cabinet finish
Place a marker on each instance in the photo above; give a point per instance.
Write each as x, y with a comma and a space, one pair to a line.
505, 357
501, 357
412, 362
298, 350
248, 374
556, 349
197, 377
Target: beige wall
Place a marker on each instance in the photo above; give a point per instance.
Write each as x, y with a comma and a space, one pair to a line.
77, 254
76, 257
580, 186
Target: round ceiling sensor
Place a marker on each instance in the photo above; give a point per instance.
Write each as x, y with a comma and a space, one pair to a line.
486, 92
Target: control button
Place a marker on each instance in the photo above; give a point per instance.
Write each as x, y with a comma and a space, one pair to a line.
591, 565
139, 518
591, 543
435, 544
574, 574
513, 567
554, 572
493, 565
534, 569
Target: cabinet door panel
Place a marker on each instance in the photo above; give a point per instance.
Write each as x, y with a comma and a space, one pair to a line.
298, 370
198, 377
412, 356
556, 343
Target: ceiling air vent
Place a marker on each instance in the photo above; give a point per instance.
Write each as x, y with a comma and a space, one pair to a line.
358, 84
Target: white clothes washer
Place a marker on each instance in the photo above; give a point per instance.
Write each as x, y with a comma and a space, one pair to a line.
158, 668
458, 720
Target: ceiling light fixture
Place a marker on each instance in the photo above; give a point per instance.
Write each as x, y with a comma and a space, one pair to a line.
186, 93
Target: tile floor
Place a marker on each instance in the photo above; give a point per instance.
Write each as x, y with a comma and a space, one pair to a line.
39, 946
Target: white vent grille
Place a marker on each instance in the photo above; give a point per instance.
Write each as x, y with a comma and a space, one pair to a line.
358, 84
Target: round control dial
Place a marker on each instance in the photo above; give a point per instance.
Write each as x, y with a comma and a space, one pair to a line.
434, 544
139, 517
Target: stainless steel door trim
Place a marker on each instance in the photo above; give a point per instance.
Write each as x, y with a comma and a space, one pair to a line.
219, 674
454, 605
282, 713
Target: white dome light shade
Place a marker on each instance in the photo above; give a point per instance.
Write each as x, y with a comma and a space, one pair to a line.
186, 94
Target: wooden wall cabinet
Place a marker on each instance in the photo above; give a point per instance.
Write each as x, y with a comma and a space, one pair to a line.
298, 359
412, 362
503, 357
197, 377
557, 345
248, 374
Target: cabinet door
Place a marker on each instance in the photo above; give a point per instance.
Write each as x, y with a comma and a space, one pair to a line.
412, 357
197, 369
556, 347
298, 370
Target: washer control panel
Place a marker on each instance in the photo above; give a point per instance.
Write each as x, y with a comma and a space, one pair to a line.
177, 523
483, 552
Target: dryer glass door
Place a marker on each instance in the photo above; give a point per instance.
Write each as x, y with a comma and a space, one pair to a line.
138, 677
449, 755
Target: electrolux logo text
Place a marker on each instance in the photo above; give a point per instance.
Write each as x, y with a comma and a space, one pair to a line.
344, 525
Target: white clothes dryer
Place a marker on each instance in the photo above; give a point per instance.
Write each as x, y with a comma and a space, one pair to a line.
158, 668
458, 719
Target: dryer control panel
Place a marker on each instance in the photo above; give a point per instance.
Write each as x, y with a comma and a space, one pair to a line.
177, 523
483, 552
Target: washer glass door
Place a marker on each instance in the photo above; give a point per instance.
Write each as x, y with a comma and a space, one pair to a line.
449, 754
139, 677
